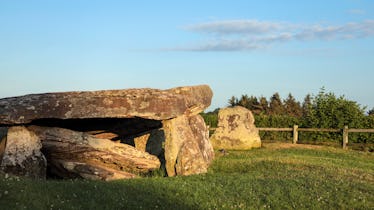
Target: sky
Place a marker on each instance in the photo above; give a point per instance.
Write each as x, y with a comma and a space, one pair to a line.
236, 47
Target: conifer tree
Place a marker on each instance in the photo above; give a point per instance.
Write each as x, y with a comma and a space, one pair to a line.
307, 105
264, 104
371, 112
233, 101
276, 106
244, 101
292, 107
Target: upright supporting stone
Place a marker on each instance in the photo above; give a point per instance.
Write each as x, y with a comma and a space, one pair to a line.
187, 147
175, 135
295, 134
201, 134
196, 153
22, 155
345, 137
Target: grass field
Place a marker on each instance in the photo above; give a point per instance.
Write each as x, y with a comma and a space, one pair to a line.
277, 176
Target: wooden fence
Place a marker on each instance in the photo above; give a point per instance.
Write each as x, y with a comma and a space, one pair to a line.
295, 130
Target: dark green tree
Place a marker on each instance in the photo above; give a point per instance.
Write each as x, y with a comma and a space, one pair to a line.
244, 101
254, 105
211, 118
250, 103
275, 105
371, 112
329, 111
292, 107
264, 104
233, 101
307, 104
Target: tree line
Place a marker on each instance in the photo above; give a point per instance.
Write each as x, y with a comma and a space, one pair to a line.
275, 105
323, 110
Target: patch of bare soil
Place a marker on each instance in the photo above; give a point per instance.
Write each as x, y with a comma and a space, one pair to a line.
279, 145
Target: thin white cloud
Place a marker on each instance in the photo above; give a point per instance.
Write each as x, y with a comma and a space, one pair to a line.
246, 35
236, 27
356, 12
225, 45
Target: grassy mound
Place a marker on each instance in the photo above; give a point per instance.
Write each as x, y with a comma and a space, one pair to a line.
278, 176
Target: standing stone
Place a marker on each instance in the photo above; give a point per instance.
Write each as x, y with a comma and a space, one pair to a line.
187, 149
236, 130
22, 155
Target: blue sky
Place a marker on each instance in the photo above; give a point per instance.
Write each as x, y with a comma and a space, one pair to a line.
237, 47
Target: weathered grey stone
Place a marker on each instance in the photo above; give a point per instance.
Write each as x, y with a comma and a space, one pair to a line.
235, 130
70, 153
144, 103
175, 135
187, 149
22, 155
201, 134
71, 169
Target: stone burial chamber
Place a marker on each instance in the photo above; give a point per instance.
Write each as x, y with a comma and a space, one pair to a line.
106, 135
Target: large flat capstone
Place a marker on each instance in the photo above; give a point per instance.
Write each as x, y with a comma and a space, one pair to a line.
144, 103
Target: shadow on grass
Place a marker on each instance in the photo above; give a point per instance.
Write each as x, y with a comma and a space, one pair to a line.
78, 194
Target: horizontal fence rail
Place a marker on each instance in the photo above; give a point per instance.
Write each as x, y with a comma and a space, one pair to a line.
331, 130
295, 130
355, 130
275, 129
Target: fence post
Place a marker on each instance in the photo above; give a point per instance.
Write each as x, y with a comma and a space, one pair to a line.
345, 137
295, 134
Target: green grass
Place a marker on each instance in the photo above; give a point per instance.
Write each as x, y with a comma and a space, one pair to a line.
284, 178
